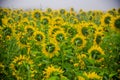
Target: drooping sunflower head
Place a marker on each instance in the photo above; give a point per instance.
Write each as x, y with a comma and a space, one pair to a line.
52, 71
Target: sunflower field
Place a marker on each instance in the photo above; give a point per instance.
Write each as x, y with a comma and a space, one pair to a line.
59, 44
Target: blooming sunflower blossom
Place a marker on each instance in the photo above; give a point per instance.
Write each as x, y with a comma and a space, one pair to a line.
79, 41
115, 24
50, 49
92, 75
22, 62
52, 70
96, 52
106, 19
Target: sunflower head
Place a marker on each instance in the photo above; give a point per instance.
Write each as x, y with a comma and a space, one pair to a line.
29, 30
117, 23
98, 39
39, 36
23, 40
53, 30
49, 10
10, 21
45, 20
79, 41
95, 54
119, 11
72, 31
50, 49
21, 65
106, 19
62, 11
7, 31
84, 31
60, 36
52, 71
36, 14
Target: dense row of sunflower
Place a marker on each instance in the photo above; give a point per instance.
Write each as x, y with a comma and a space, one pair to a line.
59, 44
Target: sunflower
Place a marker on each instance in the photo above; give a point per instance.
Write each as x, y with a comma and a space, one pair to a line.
82, 28
36, 14
115, 24
32, 23
79, 41
80, 78
48, 10
50, 49
22, 40
106, 19
5, 21
45, 20
25, 21
92, 75
55, 13
29, 30
2, 67
80, 63
53, 29
59, 36
71, 31
58, 21
96, 53
62, 11
25, 14
52, 71
8, 31
98, 36
22, 65
39, 37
